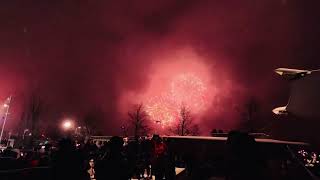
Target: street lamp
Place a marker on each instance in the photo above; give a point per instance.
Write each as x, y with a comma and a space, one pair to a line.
124, 130
67, 124
78, 131
158, 122
7, 106
24, 133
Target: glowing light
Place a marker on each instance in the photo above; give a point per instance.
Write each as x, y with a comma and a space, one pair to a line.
67, 124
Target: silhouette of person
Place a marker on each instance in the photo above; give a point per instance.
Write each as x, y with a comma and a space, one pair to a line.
243, 161
114, 166
159, 157
67, 162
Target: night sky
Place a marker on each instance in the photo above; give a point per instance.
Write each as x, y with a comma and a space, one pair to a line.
78, 55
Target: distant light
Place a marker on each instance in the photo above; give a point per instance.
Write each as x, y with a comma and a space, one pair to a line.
292, 73
280, 110
67, 124
287, 71
279, 72
5, 105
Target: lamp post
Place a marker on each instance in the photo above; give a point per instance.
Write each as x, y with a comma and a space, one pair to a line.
67, 125
124, 130
158, 122
24, 133
7, 106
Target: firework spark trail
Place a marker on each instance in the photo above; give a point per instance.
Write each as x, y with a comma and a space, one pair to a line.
189, 90
161, 109
186, 89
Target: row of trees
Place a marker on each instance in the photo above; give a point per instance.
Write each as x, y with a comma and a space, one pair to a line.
35, 108
31, 114
140, 122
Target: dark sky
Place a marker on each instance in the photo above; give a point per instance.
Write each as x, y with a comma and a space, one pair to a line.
81, 54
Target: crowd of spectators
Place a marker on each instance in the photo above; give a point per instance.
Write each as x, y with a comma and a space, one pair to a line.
143, 158
139, 159
310, 159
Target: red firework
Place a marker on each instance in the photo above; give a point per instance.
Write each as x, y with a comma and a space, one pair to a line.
161, 110
189, 90
186, 89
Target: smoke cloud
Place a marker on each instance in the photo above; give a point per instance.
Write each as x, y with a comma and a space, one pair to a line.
82, 54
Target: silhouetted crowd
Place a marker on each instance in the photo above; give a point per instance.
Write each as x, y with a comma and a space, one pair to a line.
143, 158
139, 159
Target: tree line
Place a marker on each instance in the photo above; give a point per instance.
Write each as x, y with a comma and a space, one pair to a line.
138, 121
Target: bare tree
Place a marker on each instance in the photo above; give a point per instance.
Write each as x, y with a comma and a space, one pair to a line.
139, 121
251, 109
31, 113
35, 110
92, 120
194, 130
185, 125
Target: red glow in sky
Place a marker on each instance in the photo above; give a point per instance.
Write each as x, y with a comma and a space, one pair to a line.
80, 56
183, 79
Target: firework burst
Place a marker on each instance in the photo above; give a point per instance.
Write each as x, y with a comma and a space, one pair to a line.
186, 89
161, 109
189, 90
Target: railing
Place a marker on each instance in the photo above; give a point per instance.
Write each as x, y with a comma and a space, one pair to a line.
26, 173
